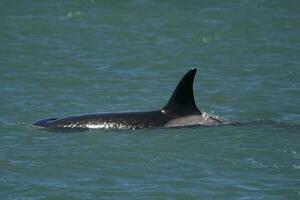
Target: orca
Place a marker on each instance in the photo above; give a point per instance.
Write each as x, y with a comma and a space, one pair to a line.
180, 111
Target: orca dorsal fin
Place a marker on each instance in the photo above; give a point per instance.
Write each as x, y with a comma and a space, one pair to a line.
182, 101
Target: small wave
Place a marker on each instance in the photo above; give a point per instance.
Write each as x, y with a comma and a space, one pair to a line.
267, 123
256, 122
74, 14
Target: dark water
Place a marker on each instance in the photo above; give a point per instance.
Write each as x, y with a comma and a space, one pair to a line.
60, 58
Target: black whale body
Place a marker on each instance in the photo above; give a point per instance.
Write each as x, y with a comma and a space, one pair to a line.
180, 110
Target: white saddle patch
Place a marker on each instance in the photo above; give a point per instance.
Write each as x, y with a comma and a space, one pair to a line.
203, 119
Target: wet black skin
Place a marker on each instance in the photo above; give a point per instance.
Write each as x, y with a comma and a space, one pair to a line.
130, 120
181, 104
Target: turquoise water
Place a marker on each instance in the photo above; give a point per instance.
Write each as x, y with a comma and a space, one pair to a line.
71, 57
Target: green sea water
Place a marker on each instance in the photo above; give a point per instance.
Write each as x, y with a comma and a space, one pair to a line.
61, 58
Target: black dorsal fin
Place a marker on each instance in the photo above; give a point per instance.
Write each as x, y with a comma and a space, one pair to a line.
182, 101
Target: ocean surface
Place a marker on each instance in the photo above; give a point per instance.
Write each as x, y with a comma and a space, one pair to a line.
61, 58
